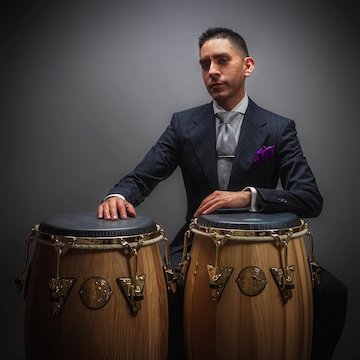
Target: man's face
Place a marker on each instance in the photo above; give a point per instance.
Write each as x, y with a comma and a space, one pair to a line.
224, 69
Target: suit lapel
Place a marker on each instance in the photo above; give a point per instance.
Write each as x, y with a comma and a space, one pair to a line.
202, 136
203, 139
252, 137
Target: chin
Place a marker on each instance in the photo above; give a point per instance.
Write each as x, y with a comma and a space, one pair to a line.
219, 98
216, 95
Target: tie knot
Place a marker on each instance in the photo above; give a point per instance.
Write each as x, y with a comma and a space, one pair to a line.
226, 116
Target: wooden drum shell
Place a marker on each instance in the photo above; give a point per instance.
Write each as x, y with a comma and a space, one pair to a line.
239, 326
110, 332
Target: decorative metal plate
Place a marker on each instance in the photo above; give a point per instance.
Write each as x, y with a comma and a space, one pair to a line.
284, 279
251, 280
59, 291
132, 289
218, 279
95, 292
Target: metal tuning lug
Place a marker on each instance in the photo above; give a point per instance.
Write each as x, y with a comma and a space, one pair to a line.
284, 276
133, 286
218, 277
59, 291
59, 287
132, 289
284, 279
21, 280
315, 271
171, 281
182, 267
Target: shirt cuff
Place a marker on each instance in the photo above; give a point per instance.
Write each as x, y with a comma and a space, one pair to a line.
117, 195
253, 207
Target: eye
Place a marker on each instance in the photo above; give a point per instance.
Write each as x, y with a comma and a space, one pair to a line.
223, 59
205, 64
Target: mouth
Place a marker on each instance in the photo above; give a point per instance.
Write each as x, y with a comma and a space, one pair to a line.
213, 86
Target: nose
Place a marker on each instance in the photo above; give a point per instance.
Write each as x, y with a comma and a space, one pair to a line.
213, 70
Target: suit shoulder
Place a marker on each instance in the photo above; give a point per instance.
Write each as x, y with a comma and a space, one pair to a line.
270, 116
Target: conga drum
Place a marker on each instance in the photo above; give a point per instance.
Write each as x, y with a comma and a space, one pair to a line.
248, 288
96, 290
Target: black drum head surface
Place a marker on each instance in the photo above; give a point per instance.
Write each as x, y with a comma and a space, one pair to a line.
86, 224
246, 220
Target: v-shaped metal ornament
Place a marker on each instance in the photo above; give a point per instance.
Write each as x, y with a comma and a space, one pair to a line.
59, 291
132, 289
218, 279
284, 279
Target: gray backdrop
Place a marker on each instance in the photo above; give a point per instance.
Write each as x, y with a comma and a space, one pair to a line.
89, 86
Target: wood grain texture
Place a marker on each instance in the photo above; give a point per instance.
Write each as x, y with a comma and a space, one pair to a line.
110, 332
239, 326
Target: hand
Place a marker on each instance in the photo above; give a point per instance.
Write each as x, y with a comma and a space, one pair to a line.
114, 205
224, 199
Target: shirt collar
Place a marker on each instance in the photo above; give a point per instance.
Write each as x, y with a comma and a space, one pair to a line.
240, 107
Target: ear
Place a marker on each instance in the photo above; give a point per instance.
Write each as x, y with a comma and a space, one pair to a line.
249, 66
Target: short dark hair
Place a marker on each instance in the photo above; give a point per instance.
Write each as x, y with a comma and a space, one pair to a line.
223, 33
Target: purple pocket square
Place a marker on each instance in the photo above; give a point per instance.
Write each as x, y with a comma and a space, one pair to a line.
264, 153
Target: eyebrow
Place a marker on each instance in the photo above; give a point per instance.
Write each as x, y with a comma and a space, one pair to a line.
216, 56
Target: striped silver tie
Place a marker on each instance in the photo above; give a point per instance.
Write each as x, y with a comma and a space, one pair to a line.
225, 147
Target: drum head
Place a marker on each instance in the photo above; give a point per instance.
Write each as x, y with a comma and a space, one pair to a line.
88, 225
245, 220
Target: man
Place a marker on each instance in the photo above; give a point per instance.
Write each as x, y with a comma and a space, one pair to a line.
267, 150
190, 142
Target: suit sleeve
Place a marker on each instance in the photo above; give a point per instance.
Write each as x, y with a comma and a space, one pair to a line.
299, 192
158, 164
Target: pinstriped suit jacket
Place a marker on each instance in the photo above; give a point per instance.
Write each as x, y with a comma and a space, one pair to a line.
189, 142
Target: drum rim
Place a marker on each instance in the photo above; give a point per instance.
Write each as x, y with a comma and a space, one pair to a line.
249, 235
97, 242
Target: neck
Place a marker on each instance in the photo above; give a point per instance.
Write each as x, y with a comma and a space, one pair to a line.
229, 104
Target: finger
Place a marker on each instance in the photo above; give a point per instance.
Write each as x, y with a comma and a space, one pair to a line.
130, 209
212, 208
100, 211
106, 211
111, 209
197, 213
218, 201
206, 205
121, 209
201, 209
